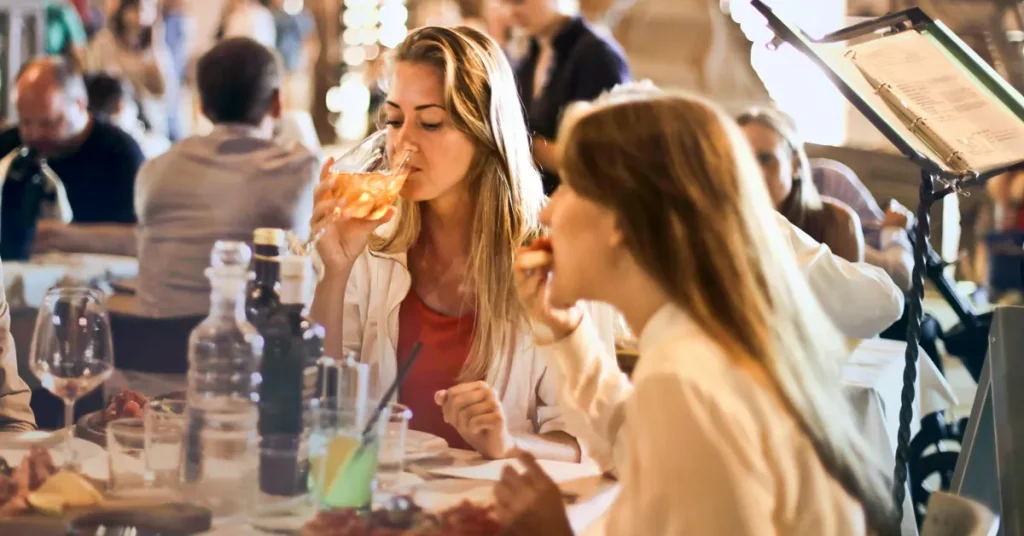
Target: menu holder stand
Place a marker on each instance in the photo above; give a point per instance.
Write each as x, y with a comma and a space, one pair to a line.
936, 179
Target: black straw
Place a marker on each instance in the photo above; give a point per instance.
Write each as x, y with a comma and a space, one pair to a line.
392, 389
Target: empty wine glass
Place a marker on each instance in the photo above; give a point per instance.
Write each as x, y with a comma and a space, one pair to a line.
366, 180
72, 352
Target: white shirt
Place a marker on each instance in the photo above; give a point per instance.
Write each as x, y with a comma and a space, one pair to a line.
703, 448
896, 256
376, 287
861, 299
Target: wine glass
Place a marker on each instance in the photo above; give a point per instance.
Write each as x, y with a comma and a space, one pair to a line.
72, 351
366, 179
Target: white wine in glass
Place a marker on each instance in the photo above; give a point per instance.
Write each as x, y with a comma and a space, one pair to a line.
366, 180
72, 351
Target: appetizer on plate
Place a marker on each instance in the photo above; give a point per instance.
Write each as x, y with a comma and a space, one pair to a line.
125, 405
402, 517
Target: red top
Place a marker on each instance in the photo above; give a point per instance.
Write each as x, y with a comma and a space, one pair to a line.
446, 341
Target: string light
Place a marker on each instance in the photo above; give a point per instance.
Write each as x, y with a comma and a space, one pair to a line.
371, 27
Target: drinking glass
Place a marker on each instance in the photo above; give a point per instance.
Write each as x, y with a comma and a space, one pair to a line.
164, 434
283, 505
343, 465
72, 352
126, 455
366, 179
392, 446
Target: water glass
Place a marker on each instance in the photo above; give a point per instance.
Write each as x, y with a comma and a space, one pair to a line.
164, 435
392, 447
283, 505
343, 468
126, 455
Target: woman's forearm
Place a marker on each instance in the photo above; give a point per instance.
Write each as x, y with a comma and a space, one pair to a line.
558, 446
328, 309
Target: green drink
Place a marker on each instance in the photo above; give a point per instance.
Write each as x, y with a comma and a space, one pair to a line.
342, 472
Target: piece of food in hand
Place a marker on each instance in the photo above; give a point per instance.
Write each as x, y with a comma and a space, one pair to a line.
537, 255
73, 488
125, 405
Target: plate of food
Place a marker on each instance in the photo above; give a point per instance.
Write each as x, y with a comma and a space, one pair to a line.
421, 445
124, 405
401, 516
17, 446
36, 498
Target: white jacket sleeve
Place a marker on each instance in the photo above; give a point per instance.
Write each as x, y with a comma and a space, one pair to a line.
896, 256
592, 392
861, 299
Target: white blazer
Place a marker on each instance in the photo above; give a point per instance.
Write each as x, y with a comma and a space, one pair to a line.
527, 388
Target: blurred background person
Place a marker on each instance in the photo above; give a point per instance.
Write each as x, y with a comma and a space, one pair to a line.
787, 173
297, 44
248, 18
220, 186
567, 61
65, 33
96, 162
112, 99
131, 46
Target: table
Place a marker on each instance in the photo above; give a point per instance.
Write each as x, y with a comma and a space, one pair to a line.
594, 494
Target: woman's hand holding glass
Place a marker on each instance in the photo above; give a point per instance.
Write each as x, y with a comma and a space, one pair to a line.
474, 410
532, 287
341, 238
355, 195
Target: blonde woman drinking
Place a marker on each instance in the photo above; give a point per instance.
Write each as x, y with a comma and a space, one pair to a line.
441, 272
731, 424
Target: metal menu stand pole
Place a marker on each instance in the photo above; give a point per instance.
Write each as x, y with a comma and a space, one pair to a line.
935, 181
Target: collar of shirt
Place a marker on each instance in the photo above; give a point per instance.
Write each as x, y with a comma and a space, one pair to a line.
563, 41
661, 326
240, 130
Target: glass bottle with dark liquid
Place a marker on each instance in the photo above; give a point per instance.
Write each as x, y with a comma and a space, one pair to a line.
24, 193
261, 296
292, 345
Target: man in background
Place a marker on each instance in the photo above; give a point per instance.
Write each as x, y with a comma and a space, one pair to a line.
112, 99
95, 162
220, 186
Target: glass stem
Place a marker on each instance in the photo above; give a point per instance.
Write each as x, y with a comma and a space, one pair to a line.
69, 434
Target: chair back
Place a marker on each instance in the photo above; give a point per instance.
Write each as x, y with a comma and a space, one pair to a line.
950, 515
158, 345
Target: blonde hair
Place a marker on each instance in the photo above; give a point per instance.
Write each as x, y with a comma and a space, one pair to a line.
480, 97
804, 198
697, 217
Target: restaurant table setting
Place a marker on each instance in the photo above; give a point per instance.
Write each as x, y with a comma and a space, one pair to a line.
271, 436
